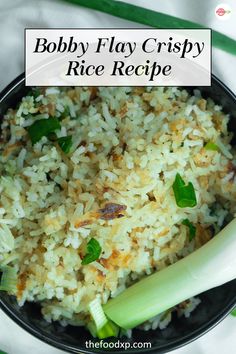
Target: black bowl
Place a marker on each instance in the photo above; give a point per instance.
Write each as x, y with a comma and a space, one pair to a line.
215, 304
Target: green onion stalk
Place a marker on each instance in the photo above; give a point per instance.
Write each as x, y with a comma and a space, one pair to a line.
8, 279
100, 326
212, 265
154, 19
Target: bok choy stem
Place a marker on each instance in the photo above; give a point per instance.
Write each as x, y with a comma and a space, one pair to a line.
212, 265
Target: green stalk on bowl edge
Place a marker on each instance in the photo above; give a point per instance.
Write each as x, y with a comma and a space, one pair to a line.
211, 265
154, 19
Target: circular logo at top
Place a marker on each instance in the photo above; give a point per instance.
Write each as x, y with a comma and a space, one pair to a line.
223, 11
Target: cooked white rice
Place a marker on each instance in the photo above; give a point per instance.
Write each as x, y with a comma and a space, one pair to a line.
128, 145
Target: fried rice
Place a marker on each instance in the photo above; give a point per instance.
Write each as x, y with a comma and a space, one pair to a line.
114, 185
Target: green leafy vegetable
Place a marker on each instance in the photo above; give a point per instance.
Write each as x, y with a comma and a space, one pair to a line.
154, 19
233, 313
43, 127
211, 146
184, 194
8, 279
65, 143
93, 252
1, 352
192, 229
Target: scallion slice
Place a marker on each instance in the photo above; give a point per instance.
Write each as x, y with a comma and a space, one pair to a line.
97, 313
35, 92
233, 313
65, 143
109, 330
8, 279
93, 252
211, 146
192, 229
65, 113
185, 196
43, 127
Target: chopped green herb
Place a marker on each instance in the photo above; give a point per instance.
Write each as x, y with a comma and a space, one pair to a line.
110, 329
185, 196
35, 92
65, 143
8, 279
43, 127
1, 352
211, 146
93, 252
65, 113
233, 313
192, 229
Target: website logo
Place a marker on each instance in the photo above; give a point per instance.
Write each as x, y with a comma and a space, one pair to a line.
223, 11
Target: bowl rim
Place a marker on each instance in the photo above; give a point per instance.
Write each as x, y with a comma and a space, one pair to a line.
164, 348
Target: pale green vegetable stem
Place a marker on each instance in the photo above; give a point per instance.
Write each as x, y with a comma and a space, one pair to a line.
211, 265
